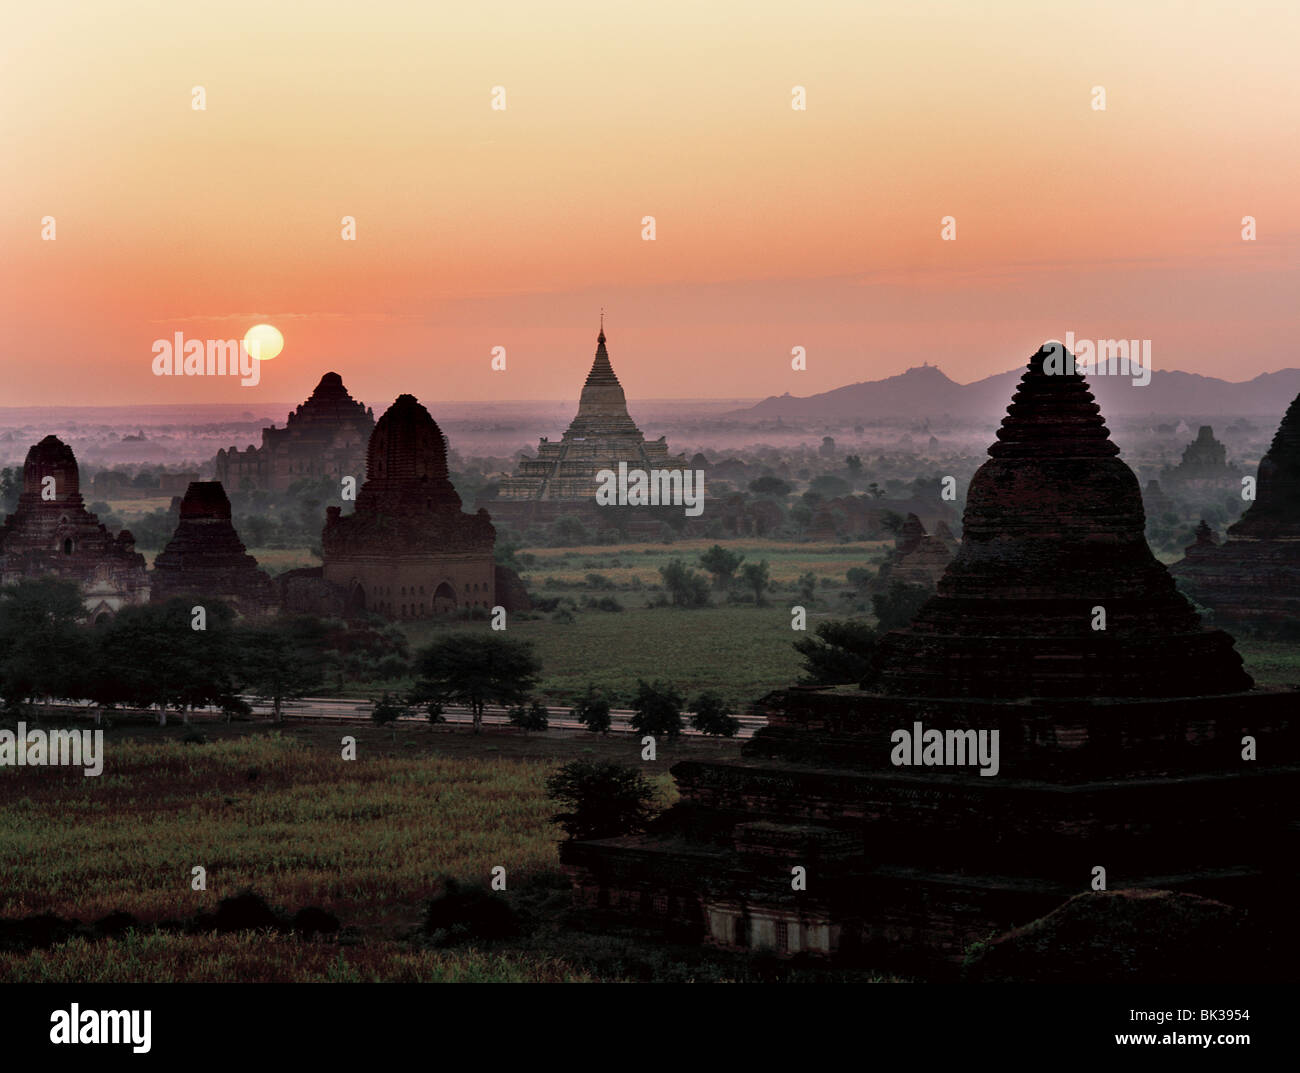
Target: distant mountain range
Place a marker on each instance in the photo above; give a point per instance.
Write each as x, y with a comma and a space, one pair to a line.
925, 391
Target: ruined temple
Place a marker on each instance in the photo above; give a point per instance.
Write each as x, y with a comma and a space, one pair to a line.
562, 479
1204, 462
1254, 575
1057, 707
51, 532
325, 437
408, 551
918, 558
206, 558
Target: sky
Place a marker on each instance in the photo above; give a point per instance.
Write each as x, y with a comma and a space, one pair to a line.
775, 228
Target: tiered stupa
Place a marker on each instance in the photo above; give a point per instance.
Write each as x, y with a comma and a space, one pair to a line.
1254, 576
51, 532
408, 551
1118, 748
1204, 464
326, 436
562, 479
206, 558
918, 558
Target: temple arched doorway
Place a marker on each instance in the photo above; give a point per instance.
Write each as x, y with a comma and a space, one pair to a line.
356, 602
444, 599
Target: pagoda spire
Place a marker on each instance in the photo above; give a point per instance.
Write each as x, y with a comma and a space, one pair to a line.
602, 372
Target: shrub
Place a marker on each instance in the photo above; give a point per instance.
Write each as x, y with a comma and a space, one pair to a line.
601, 800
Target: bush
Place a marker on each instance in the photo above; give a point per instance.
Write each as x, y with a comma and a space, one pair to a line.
530, 717
462, 913
657, 709
601, 800
592, 711
713, 716
387, 710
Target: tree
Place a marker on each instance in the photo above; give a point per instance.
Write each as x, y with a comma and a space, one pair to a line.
807, 585
475, 669
530, 717
592, 710
601, 800
876, 491
657, 709
388, 710
281, 660
899, 605
713, 716
840, 653
860, 578
44, 650
756, 577
687, 588
769, 486
722, 564
854, 464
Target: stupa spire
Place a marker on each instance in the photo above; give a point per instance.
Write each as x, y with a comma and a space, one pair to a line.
1053, 531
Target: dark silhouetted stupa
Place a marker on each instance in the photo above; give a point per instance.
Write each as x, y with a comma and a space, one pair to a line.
1254, 575
1118, 749
206, 558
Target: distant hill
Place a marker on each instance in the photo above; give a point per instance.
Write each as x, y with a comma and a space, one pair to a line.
925, 391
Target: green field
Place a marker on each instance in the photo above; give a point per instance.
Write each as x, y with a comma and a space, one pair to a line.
282, 813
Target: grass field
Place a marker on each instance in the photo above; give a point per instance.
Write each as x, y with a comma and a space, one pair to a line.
282, 813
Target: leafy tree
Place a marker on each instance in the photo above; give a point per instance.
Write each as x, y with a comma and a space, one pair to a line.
840, 653
756, 577
829, 486
899, 604
769, 486
388, 710
807, 585
281, 660
44, 650
153, 656
533, 716
569, 530
601, 800
875, 490
891, 521
592, 710
657, 709
687, 588
854, 464
475, 669
714, 716
860, 578
722, 564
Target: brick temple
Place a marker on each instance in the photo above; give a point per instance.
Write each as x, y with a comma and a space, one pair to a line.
206, 558
1119, 748
1204, 465
917, 558
52, 532
1254, 576
324, 437
408, 551
562, 479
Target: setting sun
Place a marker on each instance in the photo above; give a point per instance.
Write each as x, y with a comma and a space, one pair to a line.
264, 341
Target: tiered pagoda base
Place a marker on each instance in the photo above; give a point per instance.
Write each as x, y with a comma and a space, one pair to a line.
908, 866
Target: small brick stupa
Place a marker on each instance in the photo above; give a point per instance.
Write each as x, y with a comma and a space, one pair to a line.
325, 436
51, 532
1254, 576
1119, 749
408, 551
918, 558
206, 558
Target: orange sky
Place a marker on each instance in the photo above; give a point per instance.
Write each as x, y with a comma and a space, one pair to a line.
776, 228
